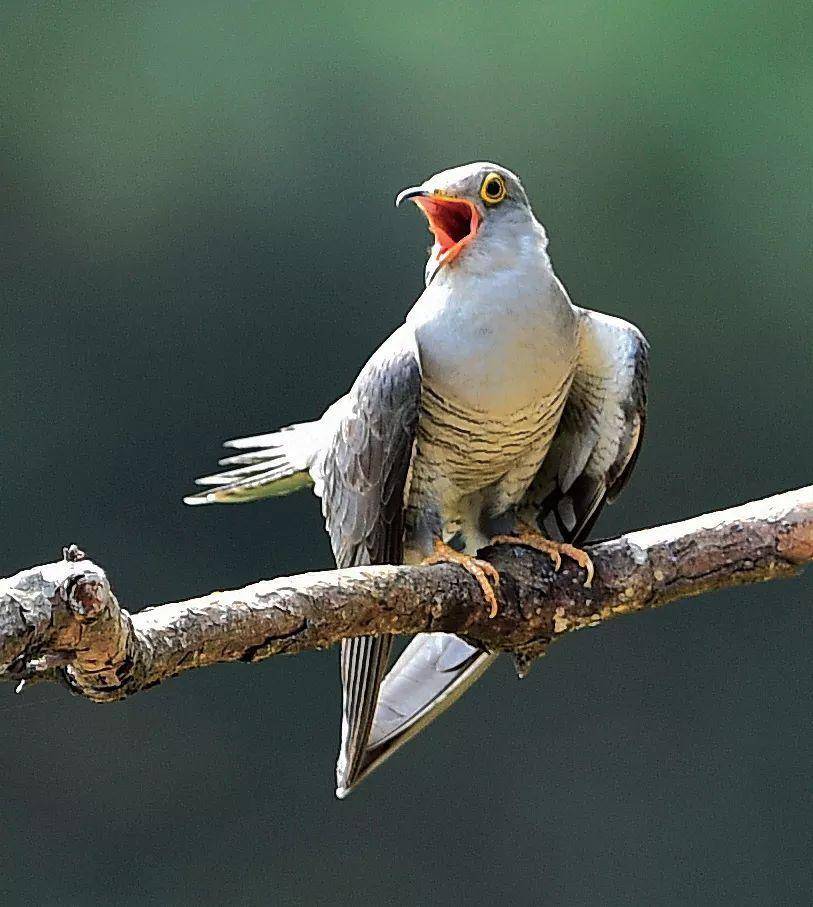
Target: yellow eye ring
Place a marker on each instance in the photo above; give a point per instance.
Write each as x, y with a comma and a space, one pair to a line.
493, 190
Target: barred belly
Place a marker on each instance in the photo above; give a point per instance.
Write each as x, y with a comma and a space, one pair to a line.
470, 466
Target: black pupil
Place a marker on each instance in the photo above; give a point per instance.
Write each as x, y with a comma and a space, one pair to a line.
493, 188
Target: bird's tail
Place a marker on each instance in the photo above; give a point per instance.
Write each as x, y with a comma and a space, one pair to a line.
275, 464
433, 672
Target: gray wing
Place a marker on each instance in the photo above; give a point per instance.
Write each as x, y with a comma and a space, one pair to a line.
363, 478
599, 435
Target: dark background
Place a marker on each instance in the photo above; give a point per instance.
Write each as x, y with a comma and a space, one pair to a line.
199, 242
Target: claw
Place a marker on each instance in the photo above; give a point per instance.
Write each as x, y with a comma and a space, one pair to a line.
582, 558
486, 574
554, 550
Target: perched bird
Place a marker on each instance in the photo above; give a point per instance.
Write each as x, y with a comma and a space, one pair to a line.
497, 411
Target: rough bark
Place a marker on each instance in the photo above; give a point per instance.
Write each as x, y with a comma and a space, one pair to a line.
61, 621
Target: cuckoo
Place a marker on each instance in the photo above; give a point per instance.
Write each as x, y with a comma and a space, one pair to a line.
498, 410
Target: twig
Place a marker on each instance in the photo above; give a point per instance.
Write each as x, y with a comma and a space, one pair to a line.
61, 621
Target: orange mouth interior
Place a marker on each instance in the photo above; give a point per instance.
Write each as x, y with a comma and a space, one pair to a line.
453, 221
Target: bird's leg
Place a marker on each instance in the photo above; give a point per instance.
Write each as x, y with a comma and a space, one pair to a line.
485, 574
527, 535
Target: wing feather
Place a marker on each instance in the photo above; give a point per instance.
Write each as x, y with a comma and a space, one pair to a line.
362, 476
599, 435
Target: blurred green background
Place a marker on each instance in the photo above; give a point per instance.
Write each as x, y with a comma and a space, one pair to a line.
199, 242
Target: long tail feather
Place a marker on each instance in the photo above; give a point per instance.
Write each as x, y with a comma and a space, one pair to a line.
432, 673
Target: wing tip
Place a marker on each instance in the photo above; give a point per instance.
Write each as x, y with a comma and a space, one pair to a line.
252, 441
193, 500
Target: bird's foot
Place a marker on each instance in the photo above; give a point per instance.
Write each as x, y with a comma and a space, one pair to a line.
485, 574
528, 537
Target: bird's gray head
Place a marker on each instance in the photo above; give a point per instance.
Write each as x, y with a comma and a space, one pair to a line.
479, 215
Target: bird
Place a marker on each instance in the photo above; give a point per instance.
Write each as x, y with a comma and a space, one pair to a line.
497, 411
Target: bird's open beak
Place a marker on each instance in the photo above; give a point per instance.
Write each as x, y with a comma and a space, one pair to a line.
453, 221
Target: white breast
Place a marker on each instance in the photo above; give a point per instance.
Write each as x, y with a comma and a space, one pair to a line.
497, 357
496, 346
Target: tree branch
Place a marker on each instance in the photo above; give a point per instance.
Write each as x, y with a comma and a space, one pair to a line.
61, 621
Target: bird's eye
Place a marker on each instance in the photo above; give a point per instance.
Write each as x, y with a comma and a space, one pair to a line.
493, 189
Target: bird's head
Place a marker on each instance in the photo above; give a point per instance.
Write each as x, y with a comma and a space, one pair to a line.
477, 211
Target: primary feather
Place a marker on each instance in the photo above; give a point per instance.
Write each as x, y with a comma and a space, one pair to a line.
279, 465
